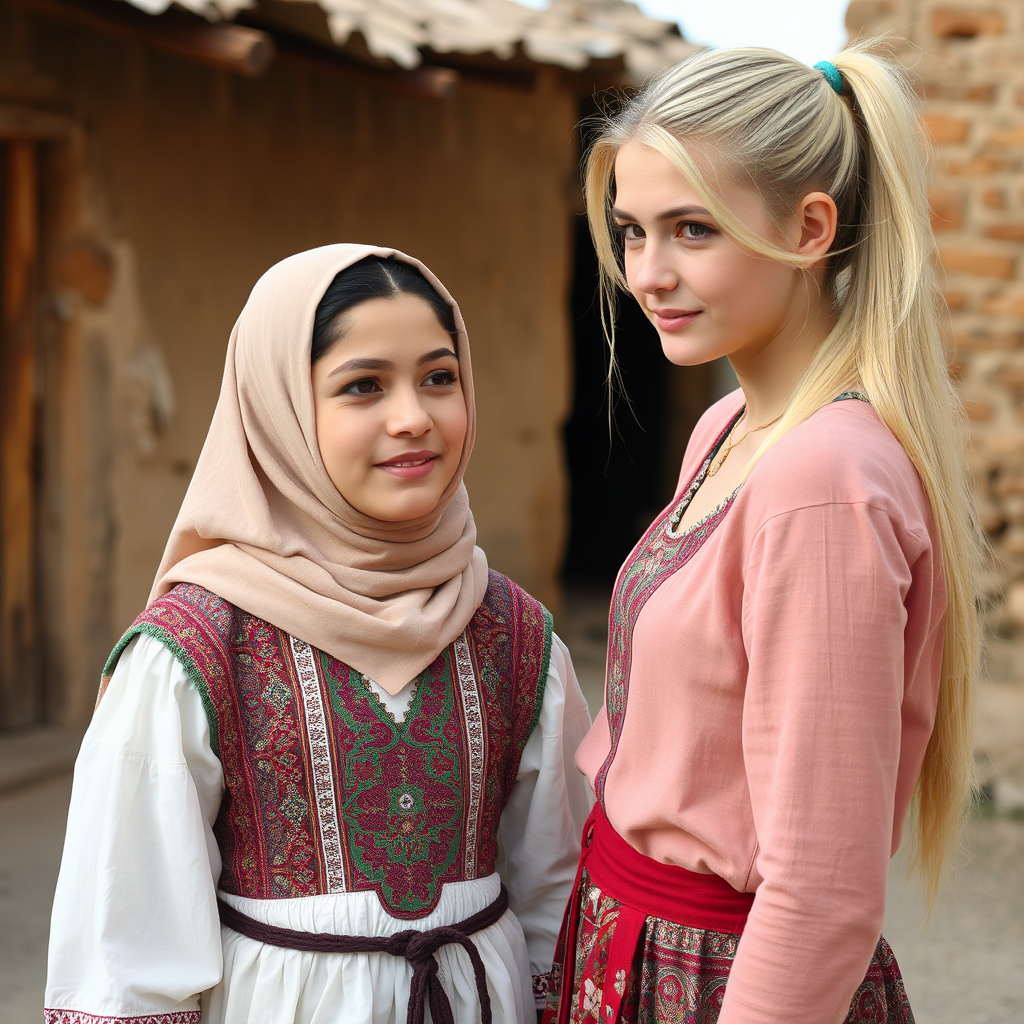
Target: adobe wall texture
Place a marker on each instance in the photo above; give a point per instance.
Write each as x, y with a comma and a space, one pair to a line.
967, 58
177, 188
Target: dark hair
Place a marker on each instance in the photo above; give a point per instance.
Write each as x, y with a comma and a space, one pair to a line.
372, 278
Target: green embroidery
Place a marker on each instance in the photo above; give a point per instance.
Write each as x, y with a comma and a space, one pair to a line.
401, 782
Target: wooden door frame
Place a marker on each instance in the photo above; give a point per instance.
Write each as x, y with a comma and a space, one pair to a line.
23, 135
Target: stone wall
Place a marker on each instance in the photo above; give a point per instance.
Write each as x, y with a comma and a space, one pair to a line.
175, 187
968, 62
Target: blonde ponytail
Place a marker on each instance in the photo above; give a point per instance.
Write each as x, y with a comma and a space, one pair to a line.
780, 126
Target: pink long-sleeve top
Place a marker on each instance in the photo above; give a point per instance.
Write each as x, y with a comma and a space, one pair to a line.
770, 699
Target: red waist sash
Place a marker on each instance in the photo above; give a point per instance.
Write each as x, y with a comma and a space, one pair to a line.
645, 888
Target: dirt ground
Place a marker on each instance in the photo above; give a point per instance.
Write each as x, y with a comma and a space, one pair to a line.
966, 966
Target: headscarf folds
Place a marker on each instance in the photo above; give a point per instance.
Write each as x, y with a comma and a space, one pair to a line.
263, 526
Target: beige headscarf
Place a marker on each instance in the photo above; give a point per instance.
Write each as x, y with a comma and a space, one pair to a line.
263, 527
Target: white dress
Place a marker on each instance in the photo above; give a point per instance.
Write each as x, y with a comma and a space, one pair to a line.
136, 936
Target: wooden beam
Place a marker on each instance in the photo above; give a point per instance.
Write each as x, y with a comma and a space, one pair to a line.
244, 49
21, 124
224, 45
18, 652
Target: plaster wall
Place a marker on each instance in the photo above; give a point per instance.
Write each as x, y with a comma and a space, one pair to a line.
187, 184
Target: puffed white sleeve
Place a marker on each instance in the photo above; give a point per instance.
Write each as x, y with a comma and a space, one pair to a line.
135, 932
542, 822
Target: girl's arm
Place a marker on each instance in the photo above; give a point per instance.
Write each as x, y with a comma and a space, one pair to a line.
135, 932
541, 825
823, 622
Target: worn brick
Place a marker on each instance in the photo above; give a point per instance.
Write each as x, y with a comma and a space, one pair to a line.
988, 341
1006, 232
966, 22
1012, 302
947, 209
956, 92
979, 167
994, 199
1003, 445
1008, 483
981, 262
943, 128
982, 412
980, 93
1013, 508
1013, 541
990, 516
1011, 377
1010, 136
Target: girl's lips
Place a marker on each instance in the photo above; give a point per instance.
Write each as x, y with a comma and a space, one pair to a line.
674, 319
410, 465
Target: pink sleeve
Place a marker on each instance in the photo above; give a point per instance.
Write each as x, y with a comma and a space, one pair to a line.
823, 621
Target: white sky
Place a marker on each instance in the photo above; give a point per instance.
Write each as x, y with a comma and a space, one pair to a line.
810, 30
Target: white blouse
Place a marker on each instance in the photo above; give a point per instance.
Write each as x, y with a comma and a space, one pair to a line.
135, 934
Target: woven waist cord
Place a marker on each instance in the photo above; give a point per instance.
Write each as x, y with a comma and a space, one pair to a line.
415, 946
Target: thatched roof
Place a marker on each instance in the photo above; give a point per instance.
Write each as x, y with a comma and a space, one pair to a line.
569, 33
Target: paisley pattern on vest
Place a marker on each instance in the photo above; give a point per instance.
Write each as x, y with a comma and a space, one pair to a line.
325, 791
659, 553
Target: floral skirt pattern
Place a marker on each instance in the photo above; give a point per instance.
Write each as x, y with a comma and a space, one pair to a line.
679, 974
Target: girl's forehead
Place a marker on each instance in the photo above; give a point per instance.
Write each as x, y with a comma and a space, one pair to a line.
649, 185
399, 327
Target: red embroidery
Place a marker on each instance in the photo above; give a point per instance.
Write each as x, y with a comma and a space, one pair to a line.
52, 1016
542, 985
325, 792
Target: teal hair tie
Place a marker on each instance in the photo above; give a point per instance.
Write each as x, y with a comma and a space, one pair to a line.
831, 72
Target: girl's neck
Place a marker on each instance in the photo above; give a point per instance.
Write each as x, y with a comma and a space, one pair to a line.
770, 375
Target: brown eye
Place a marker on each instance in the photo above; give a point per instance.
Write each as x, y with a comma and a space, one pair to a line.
365, 386
440, 378
633, 232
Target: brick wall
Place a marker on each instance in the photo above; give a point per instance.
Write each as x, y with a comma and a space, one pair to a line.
969, 60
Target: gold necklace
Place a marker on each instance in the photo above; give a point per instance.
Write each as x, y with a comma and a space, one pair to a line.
719, 459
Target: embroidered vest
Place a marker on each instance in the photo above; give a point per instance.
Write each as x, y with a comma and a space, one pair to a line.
325, 791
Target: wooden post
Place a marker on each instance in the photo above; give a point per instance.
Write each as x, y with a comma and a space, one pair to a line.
18, 656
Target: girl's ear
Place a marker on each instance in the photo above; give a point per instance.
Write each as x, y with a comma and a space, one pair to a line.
817, 218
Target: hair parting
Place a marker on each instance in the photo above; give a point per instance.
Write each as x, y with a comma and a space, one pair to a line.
374, 277
766, 120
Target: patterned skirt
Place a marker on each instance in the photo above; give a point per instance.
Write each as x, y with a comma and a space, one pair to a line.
678, 974
620, 963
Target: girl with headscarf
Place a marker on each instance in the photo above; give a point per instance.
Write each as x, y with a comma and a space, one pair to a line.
313, 747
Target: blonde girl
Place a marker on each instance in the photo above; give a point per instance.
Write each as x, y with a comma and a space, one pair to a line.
793, 642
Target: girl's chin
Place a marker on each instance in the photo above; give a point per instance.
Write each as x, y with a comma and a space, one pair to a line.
398, 508
688, 352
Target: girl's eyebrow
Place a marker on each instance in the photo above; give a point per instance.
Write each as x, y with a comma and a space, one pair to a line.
386, 364
438, 353
363, 364
678, 211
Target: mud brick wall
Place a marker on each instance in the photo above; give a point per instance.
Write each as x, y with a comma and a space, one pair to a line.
969, 63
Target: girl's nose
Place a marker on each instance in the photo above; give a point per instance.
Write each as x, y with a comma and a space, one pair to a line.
406, 414
652, 271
